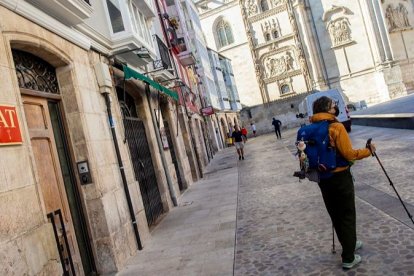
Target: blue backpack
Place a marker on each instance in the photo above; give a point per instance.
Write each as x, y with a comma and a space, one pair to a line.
322, 158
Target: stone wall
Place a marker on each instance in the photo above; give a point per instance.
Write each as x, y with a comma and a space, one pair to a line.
284, 110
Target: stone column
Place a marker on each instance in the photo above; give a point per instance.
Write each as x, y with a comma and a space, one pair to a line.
309, 38
382, 28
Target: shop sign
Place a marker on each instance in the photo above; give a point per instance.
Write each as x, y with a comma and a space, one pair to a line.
9, 126
207, 111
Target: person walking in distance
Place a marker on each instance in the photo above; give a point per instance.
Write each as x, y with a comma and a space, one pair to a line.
238, 142
277, 124
244, 133
253, 127
338, 189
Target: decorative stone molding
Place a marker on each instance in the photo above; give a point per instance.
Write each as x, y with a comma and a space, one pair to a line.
271, 29
251, 7
397, 18
276, 3
335, 10
268, 13
283, 76
338, 26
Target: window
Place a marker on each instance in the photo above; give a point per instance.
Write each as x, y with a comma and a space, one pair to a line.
284, 89
264, 5
224, 34
115, 16
140, 23
267, 36
275, 34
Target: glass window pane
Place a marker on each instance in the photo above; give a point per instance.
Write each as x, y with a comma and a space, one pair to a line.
137, 21
115, 16
229, 34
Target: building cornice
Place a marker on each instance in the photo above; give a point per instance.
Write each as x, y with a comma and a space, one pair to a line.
37, 16
283, 76
219, 9
222, 50
268, 13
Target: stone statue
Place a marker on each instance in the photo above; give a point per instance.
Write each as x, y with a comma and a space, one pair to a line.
289, 61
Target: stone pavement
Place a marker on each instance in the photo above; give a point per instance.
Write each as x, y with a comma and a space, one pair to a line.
282, 226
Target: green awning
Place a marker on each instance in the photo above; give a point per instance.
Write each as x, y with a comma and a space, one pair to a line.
130, 73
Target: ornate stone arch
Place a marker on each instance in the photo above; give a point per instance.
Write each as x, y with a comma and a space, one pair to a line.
39, 47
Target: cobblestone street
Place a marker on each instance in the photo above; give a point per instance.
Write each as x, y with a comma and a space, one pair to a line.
282, 227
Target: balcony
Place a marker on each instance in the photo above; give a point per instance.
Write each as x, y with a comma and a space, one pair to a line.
134, 54
69, 12
186, 58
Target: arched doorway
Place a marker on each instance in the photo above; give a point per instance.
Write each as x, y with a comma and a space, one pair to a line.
58, 186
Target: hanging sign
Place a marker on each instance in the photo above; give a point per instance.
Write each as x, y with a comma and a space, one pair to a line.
9, 126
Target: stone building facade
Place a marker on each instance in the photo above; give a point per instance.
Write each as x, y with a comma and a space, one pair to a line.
90, 159
296, 46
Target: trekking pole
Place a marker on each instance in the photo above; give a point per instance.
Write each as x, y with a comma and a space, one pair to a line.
333, 240
368, 145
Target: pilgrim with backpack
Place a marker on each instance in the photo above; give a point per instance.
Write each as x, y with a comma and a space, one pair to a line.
326, 154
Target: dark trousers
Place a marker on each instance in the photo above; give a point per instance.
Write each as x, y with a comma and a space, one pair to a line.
339, 197
277, 131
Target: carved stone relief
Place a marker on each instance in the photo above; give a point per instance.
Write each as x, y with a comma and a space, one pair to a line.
277, 65
251, 7
339, 31
397, 18
338, 25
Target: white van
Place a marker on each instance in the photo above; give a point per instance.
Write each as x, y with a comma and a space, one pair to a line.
305, 107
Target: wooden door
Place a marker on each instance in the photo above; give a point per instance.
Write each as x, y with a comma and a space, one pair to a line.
51, 180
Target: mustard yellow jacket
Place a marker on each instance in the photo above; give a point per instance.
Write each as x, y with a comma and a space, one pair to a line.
340, 140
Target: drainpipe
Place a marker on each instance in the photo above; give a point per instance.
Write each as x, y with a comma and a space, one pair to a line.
104, 80
160, 147
122, 170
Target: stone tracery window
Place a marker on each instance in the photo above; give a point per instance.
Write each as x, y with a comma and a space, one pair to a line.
264, 5
224, 34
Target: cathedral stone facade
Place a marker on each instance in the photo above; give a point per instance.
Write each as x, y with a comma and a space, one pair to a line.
280, 48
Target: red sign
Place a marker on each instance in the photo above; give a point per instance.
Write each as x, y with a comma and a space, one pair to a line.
9, 126
207, 111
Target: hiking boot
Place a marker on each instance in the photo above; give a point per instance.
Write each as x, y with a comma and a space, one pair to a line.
358, 245
239, 157
357, 260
